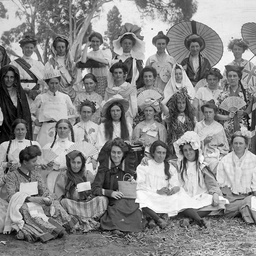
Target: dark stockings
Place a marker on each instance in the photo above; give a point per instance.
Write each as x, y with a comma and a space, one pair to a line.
195, 215
150, 213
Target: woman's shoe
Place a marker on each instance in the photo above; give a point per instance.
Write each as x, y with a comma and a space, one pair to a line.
162, 223
117, 232
151, 224
185, 223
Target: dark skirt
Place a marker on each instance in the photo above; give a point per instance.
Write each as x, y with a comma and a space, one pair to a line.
123, 215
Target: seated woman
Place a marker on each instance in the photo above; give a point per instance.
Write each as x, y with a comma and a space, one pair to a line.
209, 92
212, 135
236, 175
59, 146
89, 82
81, 204
122, 214
178, 80
181, 117
197, 180
49, 221
114, 124
9, 150
149, 130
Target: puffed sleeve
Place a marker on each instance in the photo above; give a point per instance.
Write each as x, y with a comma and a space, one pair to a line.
141, 178
210, 182
253, 183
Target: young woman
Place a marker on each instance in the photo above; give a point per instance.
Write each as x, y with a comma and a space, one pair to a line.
97, 62
236, 176
161, 61
212, 135
80, 204
50, 107
13, 102
114, 125
209, 92
178, 80
34, 228
89, 82
122, 214
196, 179
149, 130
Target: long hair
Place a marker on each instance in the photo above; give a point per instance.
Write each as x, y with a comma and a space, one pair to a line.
152, 150
108, 123
56, 127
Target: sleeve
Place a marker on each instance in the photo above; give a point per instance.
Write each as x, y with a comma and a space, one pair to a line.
148, 62
11, 185
210, 182
36, 104
141, 178
174, 180
220, 174
1, 117
101, 140
42, 188
133, 102
71, 108
136, 132
107, 55
97, 185
162, 133
253, 183
3, 162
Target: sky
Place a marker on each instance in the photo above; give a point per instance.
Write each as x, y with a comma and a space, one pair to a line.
226, 17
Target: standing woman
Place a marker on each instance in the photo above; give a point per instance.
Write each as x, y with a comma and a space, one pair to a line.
195, 65
207, 93
4, 58
115, 124
13, 102
97, 62
130, 49
161, 61
90, 82
232, 122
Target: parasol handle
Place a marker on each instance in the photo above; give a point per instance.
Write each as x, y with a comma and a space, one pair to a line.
249, 60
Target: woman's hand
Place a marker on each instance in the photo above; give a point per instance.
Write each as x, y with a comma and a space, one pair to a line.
50, 164
207, 140
231, 115
173, 191
240, 114
117, 194
37, 123
47, 201
215, 199
144, 161
94, 163
162, 191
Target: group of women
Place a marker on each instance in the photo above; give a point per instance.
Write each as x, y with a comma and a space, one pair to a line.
67, 144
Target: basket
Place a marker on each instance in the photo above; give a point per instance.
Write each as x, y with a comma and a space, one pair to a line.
127, 187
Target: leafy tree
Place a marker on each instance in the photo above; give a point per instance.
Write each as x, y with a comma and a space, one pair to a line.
114, 19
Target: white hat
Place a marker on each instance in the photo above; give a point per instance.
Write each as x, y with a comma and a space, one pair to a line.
50, 72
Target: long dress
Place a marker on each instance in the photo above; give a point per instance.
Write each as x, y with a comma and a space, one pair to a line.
122, 214
163, 64
13, 105
217, 147
37, 228
237, 179
75, 203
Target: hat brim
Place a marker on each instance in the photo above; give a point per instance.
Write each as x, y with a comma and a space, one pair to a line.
124, 103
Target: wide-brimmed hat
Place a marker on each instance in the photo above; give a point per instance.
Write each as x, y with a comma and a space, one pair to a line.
234, 68
181, 35
27, 39
115, 98
150, 103
160, 35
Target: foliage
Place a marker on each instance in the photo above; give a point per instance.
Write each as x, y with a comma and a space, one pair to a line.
114, 19
172, 11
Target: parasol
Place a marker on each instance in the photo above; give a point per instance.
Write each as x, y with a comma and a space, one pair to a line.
179, 33
248, 32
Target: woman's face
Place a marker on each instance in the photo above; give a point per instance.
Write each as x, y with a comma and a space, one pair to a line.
181, 105
28, 49
54, 84
212, 81
63, 130
76, 164
239, 146
148, 79
233, 78
9, 79
86, 113
149, 113
89, 85
119, 76
194, 48
161, 45
95, 43
160, 154
20, 131
237, 51
61, 49
127, 45
116, 155
189, 153
208, 114
31, 164
116, 113
178, 75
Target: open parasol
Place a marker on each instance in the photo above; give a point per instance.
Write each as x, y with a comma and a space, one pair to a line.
179, 33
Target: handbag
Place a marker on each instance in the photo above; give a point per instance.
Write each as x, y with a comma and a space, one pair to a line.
128, 188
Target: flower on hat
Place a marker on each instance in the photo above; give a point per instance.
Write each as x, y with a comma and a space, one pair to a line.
245, 132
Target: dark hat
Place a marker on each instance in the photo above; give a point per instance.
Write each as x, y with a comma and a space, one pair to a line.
194, 38
209, 104
160, 35
119, 64
234, 68
27, 39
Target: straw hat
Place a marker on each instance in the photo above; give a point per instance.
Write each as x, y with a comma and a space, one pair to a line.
50, 72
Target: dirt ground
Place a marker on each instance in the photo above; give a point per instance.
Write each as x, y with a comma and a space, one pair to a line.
223, 237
